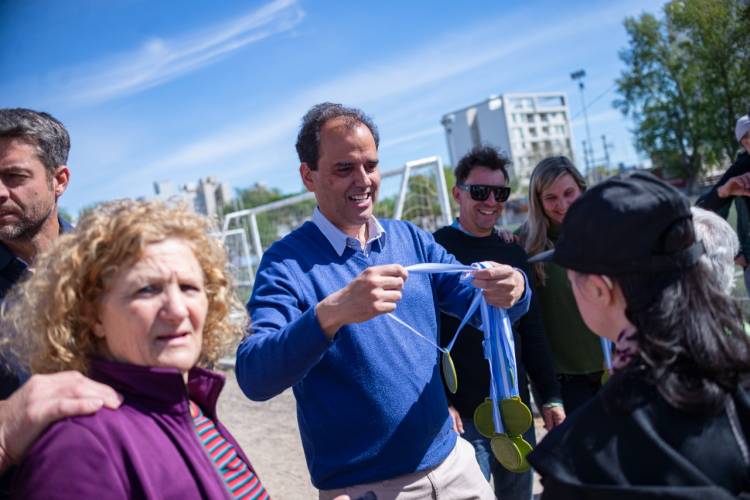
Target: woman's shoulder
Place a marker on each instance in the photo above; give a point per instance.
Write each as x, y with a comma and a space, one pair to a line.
102, 428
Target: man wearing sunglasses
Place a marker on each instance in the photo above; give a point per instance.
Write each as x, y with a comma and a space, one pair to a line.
480, 191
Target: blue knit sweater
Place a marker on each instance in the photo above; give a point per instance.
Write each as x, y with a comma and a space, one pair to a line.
370, 404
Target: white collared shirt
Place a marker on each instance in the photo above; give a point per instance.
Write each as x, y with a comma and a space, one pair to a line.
340, 240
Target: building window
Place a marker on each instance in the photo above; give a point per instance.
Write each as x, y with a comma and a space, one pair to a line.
543, 116
552, 101
532, 131
530, 117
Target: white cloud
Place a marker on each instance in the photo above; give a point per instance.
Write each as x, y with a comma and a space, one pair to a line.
386, 85
419, 134
160, 60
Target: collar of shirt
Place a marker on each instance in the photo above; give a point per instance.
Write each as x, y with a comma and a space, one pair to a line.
339, 240
6, 255
12, 267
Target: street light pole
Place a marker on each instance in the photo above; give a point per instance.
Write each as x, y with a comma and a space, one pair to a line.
578, 76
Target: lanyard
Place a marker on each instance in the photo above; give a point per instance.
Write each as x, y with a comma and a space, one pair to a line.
503, 417
606, 345
498, 343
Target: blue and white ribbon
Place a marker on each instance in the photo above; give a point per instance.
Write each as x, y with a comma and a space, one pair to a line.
498, 343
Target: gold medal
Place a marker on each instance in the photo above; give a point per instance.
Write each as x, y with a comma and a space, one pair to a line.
449, 372
516, 416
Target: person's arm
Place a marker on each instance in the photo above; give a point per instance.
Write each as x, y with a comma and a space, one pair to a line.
288, 336
69, 462
734, 182
43, 400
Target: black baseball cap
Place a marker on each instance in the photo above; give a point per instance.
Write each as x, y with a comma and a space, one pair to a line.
618, 226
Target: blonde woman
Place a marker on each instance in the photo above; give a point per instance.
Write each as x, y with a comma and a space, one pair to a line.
137, 298
555, 184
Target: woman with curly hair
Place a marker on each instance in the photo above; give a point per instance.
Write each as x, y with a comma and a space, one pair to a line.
673, 420
138, 298
555, 184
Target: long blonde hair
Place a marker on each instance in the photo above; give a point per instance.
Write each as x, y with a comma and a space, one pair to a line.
534, 232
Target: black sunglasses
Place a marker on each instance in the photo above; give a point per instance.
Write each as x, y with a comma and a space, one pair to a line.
480, 192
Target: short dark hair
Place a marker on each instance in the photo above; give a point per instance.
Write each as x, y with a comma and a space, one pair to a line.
308, 139
40, 129
481, 156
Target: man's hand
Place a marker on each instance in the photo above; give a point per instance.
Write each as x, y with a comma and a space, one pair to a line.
503, 285
375, 291
735, 186
553, 416
507, 236
42, 400
458, 426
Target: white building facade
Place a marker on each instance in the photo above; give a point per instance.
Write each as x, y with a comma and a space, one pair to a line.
208, 196
526, 127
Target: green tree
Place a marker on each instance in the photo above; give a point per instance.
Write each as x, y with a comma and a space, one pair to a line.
685, 78
716, 35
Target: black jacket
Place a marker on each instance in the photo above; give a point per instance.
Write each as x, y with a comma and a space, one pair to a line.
628, 442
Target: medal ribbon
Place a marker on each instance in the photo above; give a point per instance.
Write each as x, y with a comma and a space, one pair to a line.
498, 344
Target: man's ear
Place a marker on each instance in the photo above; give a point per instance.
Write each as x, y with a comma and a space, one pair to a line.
308, 177
60, 180
456, 193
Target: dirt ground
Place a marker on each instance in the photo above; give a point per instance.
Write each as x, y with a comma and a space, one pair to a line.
269, 435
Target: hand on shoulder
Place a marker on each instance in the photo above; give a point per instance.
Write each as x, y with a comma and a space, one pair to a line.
44, 399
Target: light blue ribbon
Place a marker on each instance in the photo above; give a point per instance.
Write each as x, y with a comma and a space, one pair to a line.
606, 345
498, 343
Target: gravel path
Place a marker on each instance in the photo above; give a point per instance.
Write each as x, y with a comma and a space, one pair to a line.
269, 435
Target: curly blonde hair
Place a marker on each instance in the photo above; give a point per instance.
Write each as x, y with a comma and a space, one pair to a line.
56, 308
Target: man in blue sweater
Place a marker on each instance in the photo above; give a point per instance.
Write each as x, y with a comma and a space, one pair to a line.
371, 407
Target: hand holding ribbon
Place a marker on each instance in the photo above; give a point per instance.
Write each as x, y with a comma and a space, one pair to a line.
374, 292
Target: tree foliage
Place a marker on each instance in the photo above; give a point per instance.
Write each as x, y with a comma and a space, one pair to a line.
686, 81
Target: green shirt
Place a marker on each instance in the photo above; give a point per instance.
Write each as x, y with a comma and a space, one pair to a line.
576, 349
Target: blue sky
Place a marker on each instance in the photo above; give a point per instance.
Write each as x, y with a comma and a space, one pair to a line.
181, 90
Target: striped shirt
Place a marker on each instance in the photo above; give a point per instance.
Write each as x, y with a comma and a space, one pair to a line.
239, 478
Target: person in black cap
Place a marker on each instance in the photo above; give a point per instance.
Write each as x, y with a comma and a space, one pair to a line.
672, 421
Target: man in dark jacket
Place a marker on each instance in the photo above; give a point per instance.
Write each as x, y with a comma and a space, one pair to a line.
33, 175
735, 185
480, 191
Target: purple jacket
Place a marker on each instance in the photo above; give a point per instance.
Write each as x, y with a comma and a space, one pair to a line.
145, 449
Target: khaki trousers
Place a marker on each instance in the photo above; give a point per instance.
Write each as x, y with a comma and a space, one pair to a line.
458, 477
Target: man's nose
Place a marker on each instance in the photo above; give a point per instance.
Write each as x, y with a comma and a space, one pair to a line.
362, 176
492, 201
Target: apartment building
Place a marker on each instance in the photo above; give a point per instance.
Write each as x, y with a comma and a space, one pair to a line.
526, 127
